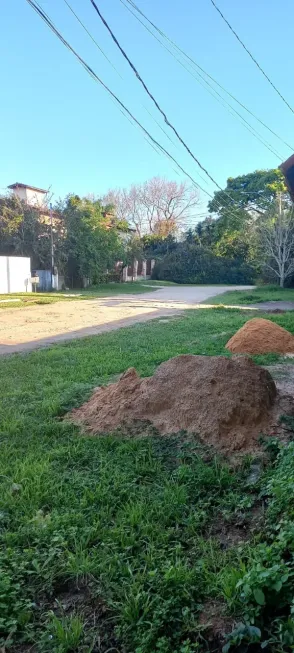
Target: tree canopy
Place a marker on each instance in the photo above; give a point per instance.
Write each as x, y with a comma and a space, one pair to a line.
255, 192
158, 206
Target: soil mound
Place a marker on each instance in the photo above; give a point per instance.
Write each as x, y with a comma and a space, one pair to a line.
226, 402
259, 336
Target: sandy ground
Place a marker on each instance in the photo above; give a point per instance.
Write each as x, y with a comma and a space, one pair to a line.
36, 326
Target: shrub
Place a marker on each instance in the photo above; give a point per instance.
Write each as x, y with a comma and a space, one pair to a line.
190, 263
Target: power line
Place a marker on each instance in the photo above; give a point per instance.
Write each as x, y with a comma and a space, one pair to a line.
212, 92
251, 56
157, 147
122, 106
99, 48
152, 96
91, 37
158, 106
245, 123
197, 66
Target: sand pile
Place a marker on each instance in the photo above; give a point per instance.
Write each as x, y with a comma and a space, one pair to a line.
259, 336
227, 402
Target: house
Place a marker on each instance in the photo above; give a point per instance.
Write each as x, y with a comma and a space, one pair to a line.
29, 194
287, 168
37, 199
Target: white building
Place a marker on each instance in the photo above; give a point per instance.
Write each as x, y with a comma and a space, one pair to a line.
29, 194
15, 274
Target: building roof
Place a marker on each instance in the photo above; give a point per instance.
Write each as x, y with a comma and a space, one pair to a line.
287, 168
18, 185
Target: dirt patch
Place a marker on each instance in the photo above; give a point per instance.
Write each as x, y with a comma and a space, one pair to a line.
81, 599
239, 529
283, 375
226, 402
260, 336
215, 622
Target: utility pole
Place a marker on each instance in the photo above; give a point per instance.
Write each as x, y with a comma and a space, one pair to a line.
52, 248
280, 204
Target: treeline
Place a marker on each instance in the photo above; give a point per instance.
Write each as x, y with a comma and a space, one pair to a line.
88, 239
248, 235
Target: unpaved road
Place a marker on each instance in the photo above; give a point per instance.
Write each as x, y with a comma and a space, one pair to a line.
36, 326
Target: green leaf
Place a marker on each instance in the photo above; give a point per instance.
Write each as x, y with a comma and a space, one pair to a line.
226, 647
259, 596
277, 586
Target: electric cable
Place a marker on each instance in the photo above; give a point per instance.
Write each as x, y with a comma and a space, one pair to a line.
196, 65
251, 56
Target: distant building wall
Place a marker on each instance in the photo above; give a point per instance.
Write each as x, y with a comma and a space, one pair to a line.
35, 198
45, 281
30, 195
21, 193
15, 273
140, 271
3, 274
44, 284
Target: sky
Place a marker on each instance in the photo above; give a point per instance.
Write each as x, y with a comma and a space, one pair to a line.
60, 129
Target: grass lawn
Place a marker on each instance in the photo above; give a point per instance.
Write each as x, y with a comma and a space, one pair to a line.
103, 290
117, 545
255, 296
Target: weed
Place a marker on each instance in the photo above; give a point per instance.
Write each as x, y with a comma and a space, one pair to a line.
241, 638
62, 635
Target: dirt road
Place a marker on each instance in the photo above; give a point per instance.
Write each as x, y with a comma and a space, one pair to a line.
25, 329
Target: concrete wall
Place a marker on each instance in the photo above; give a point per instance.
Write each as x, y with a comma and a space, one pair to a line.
15, 273
32, 197
21, 193
140, 271
3, 274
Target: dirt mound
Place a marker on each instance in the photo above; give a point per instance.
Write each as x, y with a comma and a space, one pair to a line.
259, 336
227, 402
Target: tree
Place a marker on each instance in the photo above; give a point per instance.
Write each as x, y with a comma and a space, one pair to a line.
155, 246
244, 200
133, 252
23, 231
277, 241
251, 193
158, 206
204, 233
233, 245
91, 245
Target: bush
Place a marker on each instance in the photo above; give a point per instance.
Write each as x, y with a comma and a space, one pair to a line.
190, 263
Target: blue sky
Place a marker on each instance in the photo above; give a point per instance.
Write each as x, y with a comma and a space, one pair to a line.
60, 129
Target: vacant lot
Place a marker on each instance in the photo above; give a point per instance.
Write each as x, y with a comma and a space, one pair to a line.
139, 545
67, 318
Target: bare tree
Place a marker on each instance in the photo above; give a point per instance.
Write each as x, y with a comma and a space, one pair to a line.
277, 239
157, 206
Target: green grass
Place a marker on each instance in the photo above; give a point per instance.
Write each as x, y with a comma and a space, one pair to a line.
110, 544
255, 296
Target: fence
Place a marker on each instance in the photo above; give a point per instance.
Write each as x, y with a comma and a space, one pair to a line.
15, 273
45, 283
